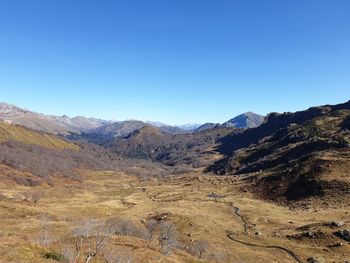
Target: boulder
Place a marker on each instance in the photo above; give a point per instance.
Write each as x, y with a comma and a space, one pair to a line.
343, 234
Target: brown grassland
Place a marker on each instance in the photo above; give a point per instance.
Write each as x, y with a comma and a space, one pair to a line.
214, 210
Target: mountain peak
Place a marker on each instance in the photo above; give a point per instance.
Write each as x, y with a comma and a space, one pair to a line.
245, 120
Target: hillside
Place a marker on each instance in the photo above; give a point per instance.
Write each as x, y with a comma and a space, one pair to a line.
91, 129
294, 156
10, 132
208, 125
245, 121
193, 149
47, 123
37, 157
136, 210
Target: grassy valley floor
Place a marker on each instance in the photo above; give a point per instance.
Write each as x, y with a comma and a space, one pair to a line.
231, 224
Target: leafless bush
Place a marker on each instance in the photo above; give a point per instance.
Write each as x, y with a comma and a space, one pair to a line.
45, 236
125, 227
181, 169
44, 162
26, 181
167, 237
33, 196
115, 255
151, 226
88, 239
200, 247
216, 257
2, 197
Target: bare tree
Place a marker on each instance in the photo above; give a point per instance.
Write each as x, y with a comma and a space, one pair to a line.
216, 257
45, 236
167, 237
200, 247
151, 227
88, 240
113, 255
125, 227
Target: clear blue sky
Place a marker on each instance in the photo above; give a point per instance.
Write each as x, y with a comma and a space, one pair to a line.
175, 61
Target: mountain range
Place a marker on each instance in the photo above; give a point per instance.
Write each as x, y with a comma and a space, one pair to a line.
293, 169
290, 155
99, 130
48, 123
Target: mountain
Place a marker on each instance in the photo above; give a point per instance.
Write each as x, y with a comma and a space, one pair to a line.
180, 128
149, 142
165, 127
122, 129
208, 125
12, 132
245, 120
31, 157
293, 156
100, 131
242, 121
92, 129
47, 123
118, 129
189, 126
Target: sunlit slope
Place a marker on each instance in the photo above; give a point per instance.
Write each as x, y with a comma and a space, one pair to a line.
9, 132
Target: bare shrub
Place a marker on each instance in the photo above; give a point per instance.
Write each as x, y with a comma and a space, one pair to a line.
115, 255
125, 227
151, 226
200, 247
45, 236
88, 239
33, 196
167, 237
216, 257
44, 163
2, 197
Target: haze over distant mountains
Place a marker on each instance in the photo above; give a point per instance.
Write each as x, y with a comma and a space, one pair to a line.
242, 121
103, 130
48, 123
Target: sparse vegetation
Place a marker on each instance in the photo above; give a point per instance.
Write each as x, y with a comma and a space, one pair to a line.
92, 205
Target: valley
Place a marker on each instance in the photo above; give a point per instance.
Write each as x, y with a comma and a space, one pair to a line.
210, 213
278, 192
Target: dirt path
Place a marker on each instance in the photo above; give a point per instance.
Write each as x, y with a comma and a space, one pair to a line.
289, 252
245, 226
244, 221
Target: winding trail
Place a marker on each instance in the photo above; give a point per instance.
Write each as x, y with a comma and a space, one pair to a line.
238, 213
289, 252
245, 225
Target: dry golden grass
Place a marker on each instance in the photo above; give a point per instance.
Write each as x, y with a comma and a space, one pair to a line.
24, 135
185, 201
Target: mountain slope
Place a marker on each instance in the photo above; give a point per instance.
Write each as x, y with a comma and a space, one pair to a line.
47, 123
118, 129
293, 156
33, 157
245, 120
10, 132
208, 125
194, 149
